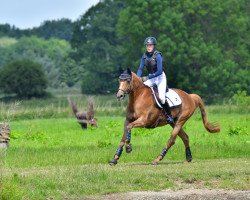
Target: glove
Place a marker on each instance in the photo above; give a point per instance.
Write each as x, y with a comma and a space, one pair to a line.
144, 78
151, 76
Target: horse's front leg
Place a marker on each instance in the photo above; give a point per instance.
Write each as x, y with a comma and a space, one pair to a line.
125, 140
137, 123
140, 122
128, 139
127, 131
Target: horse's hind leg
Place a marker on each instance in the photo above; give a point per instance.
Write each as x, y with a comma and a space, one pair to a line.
170, 143
182, 134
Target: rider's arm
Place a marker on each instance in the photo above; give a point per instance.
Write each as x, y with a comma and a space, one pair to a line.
159, 67
140, 70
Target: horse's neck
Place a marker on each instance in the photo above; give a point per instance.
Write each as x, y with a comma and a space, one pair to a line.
137, 88
138, 85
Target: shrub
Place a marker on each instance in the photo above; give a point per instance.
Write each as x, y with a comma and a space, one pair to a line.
24, 78
241, 98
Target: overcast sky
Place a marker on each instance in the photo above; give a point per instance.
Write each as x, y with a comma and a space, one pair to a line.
30, 13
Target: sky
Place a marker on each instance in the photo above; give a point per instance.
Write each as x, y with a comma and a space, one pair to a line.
31, 13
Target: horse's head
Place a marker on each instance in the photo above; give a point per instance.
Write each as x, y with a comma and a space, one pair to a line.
124, 84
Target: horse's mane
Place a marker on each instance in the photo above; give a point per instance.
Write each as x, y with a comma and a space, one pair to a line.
137, 81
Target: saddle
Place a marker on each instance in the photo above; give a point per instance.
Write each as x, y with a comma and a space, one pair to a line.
172, 98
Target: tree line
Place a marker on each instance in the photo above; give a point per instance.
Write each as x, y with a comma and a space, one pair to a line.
205, 45
61, 29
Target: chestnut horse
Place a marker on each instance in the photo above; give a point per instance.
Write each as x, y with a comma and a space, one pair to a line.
143, 112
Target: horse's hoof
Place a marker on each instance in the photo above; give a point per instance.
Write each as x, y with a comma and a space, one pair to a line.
188, 155
155, 162
112, 162
129, 148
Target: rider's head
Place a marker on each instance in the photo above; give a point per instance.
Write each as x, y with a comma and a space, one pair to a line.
150, 43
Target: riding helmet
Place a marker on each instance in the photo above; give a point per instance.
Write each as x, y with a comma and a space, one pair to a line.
150, 40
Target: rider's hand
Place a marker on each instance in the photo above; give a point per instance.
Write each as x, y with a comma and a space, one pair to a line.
144, 78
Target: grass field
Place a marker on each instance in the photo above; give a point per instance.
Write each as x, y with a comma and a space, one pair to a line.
105, 105
54, 158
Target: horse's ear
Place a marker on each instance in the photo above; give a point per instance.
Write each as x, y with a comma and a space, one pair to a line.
120, 70
129, 71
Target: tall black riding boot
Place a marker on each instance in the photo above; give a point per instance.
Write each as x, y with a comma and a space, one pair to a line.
168, 114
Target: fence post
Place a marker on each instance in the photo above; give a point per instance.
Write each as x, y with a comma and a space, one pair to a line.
4, 135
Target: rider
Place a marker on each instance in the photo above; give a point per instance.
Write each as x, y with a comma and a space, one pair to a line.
152, 60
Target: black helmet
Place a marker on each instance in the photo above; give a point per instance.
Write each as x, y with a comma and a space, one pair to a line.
150, 40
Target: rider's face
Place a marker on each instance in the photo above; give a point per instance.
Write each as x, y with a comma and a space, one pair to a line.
150, 48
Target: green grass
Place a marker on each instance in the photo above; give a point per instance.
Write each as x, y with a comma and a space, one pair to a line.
74, 181
105, 105
58, 107
56, 158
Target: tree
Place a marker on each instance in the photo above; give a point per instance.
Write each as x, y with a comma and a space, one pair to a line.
60, 29
50, 54
97, 47
201, 42
24, 78
69, 72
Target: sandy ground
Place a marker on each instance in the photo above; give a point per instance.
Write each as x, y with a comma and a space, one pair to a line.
184, 194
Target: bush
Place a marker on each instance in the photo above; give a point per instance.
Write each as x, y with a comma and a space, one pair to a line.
241, 98
24, 78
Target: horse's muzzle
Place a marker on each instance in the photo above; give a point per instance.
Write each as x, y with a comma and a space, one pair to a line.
120, 95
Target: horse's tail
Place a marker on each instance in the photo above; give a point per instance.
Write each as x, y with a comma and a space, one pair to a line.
73, 106
211, 127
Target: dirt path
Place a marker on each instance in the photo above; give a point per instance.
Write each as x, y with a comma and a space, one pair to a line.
184, 194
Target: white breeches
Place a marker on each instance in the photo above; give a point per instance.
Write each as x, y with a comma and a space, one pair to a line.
161, 83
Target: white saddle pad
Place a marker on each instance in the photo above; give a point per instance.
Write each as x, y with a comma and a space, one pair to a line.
173, 98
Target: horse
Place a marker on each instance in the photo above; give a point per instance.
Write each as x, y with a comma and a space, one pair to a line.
143, 112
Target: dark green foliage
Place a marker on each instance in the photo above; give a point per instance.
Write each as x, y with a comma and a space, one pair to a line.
97, 47
61, 29
24, 78
10, 31
69, 72
51, 54
93, 83
205, 44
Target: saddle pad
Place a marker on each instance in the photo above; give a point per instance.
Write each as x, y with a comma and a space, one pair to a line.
173, 98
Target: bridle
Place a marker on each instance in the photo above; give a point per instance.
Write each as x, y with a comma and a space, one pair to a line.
128, 78
127, 90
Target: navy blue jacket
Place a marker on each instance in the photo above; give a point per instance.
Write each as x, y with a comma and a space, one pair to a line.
149, 57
